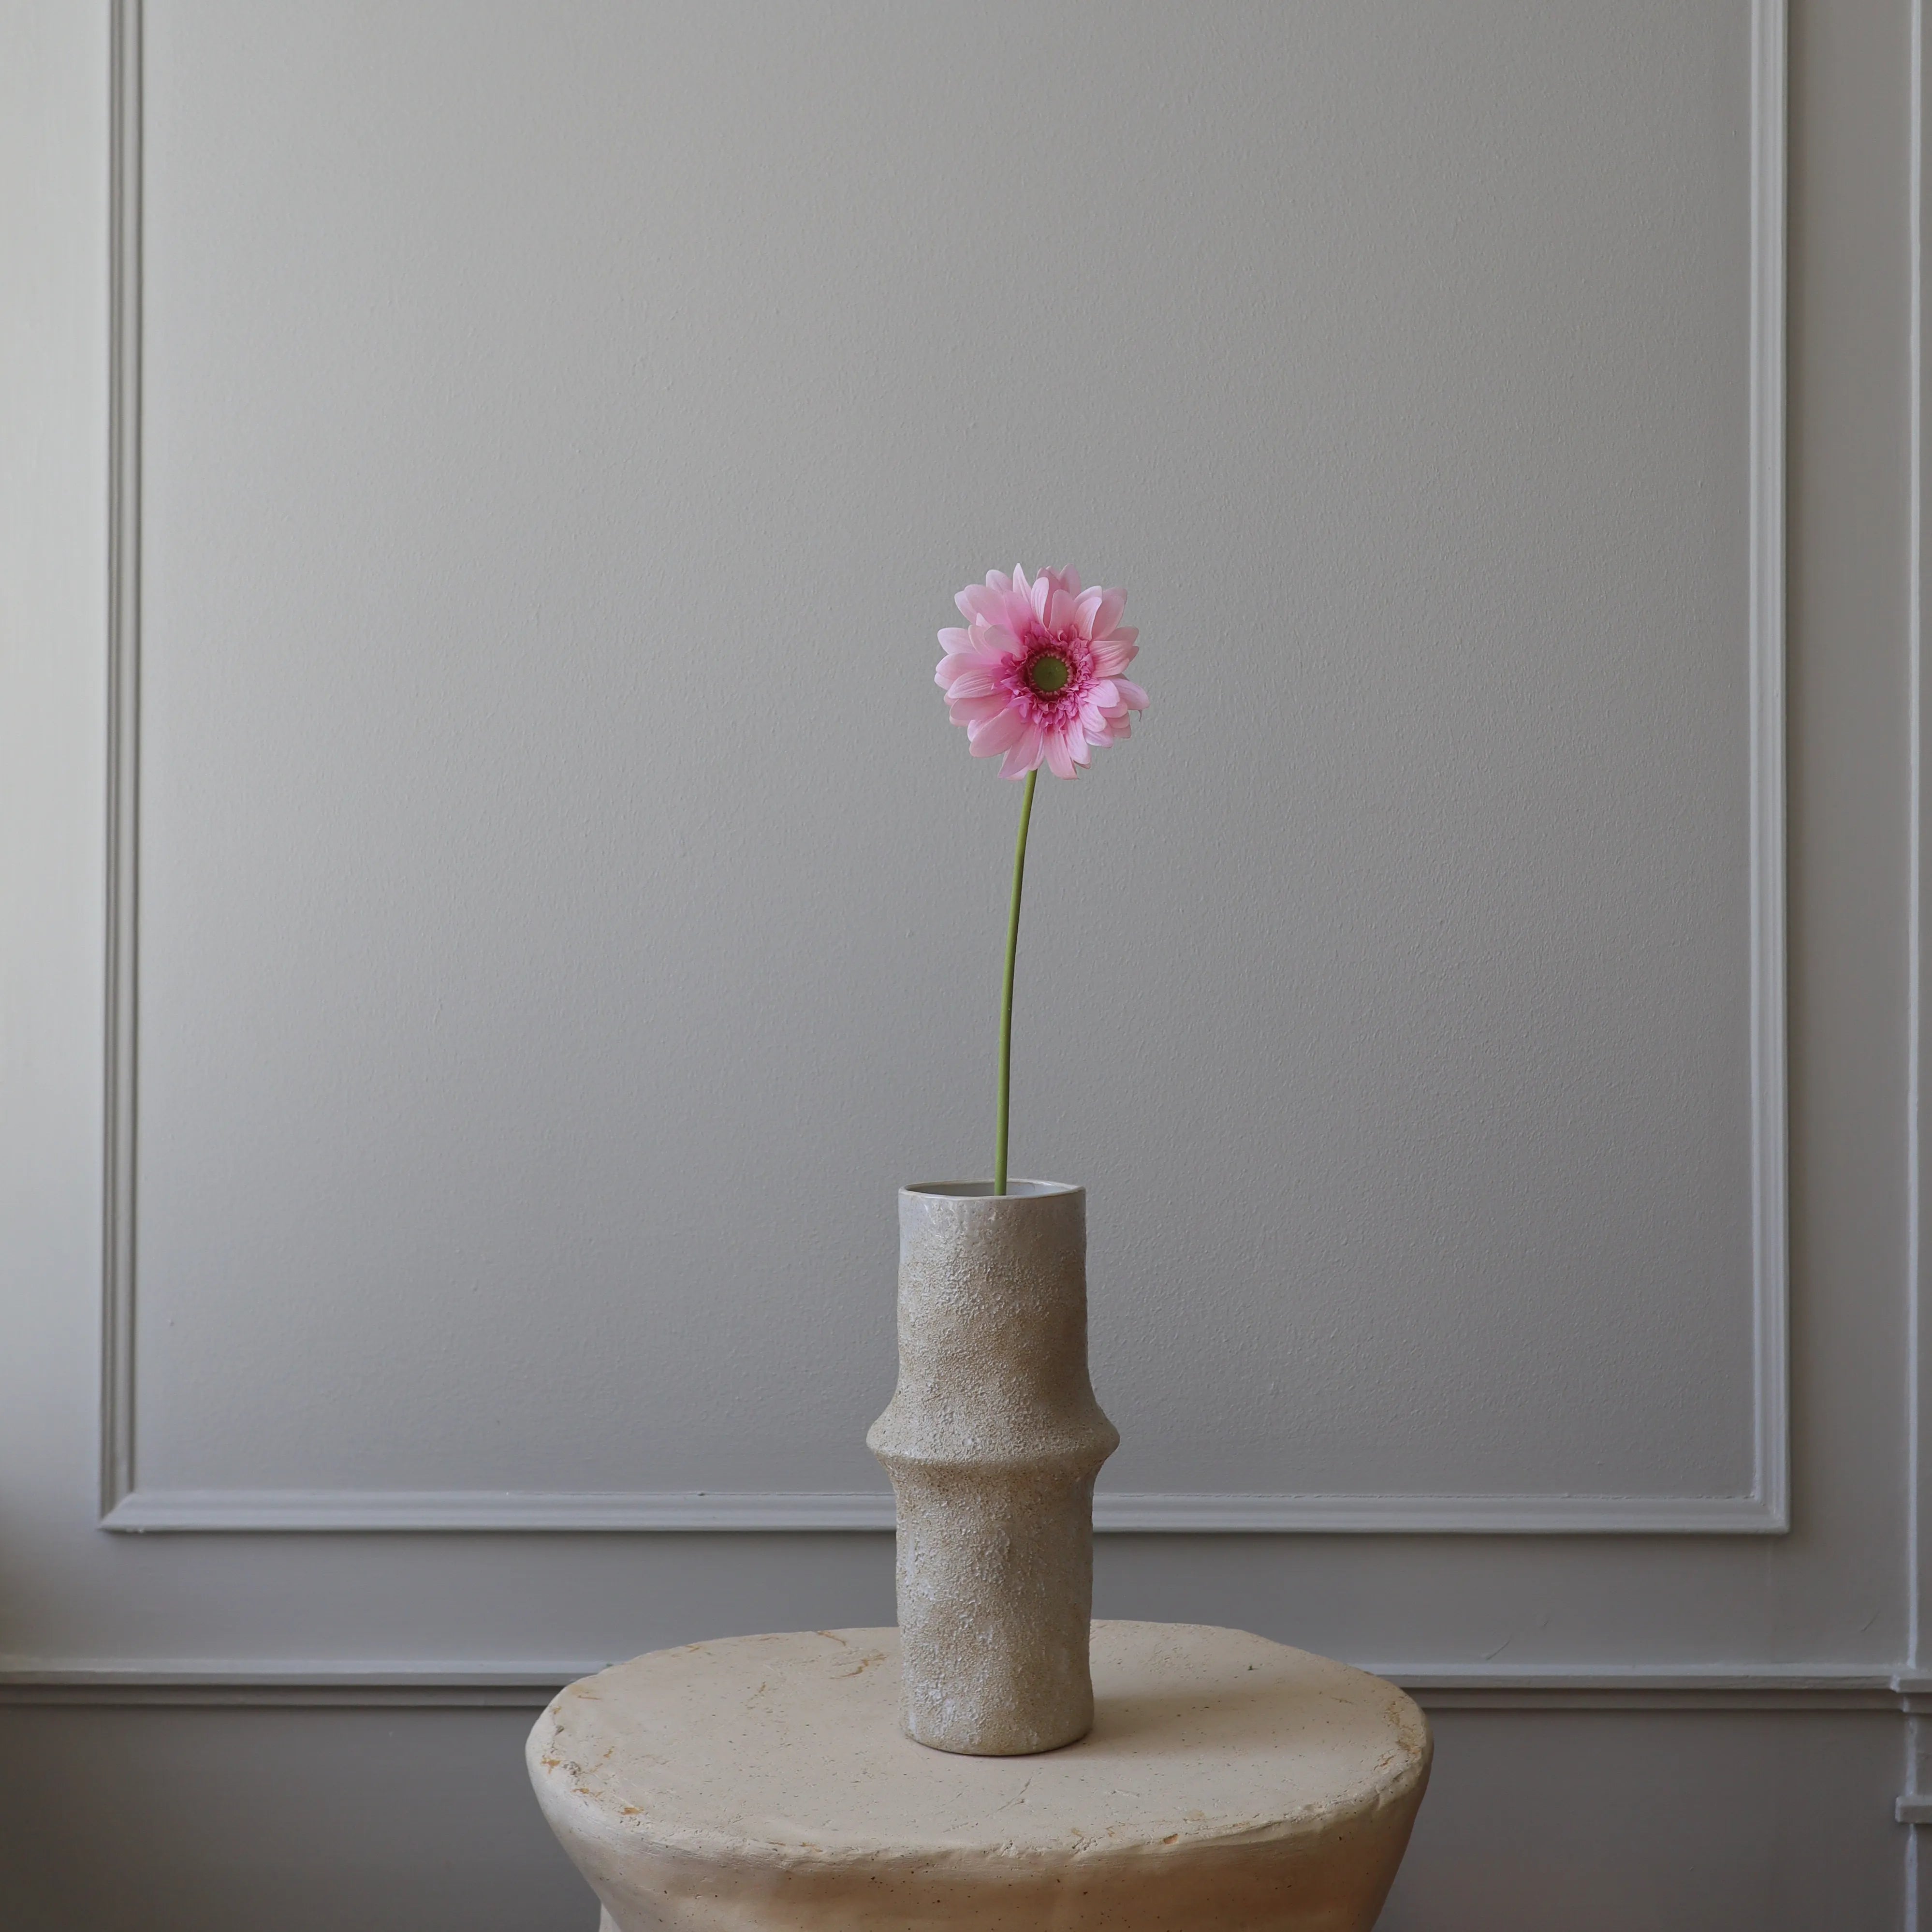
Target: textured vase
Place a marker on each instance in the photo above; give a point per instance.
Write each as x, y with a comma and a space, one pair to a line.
992, 1440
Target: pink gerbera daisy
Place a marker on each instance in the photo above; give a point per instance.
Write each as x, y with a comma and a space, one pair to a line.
1036, 673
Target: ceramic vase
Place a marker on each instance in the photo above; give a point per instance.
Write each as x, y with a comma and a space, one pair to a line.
992, 1440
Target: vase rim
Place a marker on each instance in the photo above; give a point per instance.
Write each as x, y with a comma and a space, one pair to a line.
983, 1190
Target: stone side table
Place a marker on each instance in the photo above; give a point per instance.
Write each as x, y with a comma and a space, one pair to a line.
1229, 1784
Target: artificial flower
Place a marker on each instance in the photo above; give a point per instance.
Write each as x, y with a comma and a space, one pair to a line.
1035, 676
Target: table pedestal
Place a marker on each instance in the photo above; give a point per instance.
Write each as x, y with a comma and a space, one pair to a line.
1229, 1784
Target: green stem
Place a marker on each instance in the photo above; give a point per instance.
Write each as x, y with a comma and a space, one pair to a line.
1006, 997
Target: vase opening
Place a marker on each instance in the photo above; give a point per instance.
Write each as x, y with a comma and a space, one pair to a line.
959, 1190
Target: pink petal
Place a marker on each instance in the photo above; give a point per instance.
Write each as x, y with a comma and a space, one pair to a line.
973, 679
1111, 657
1112, 603
1132, 695
976, 708
1024, 756
975, 602
1042, 591
952, 669
999, 733
1059, 760
953, 639
1016, 606
1122, 634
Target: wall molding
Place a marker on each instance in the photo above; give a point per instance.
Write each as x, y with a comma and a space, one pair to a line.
1764, 1509
1918, 1282
1914, 1806
392, 1511
124, 746
1771, 1238
359, 1684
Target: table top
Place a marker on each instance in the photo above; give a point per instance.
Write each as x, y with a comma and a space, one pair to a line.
785, 1750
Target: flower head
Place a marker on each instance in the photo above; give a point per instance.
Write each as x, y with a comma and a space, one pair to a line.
1036, 676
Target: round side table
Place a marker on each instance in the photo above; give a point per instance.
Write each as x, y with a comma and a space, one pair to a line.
1229, 1784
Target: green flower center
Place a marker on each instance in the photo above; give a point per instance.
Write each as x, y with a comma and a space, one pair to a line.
1048, 674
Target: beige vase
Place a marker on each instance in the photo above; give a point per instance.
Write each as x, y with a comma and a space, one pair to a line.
992, 1440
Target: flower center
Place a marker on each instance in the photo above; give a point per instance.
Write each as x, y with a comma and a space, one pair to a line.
1048, 674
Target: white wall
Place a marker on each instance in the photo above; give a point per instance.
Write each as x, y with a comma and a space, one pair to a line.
554, 911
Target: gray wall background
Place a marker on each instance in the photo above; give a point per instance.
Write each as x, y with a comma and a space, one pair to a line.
565, 912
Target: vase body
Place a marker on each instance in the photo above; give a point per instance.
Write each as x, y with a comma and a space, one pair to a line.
992, 1440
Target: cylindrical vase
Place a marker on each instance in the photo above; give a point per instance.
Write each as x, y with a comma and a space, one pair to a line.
992, 1440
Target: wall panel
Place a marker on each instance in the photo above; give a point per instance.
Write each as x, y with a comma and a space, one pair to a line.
524, 995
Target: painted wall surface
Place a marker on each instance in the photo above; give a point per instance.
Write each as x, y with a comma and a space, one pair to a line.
554, 912
564, 910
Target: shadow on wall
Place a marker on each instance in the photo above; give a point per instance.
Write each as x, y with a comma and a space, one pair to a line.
319, 1820
305, 1820
1578, 1821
